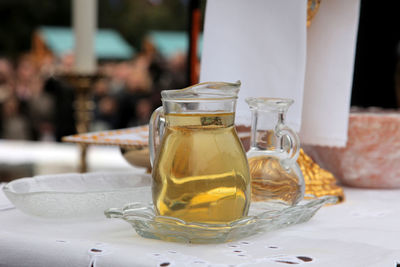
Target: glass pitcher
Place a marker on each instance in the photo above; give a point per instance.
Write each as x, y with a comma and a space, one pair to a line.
274, 149
200, 170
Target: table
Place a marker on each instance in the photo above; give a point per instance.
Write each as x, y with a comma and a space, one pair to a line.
363, 231
52, 157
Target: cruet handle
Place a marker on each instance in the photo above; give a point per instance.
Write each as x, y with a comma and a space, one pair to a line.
156, 131
294, 142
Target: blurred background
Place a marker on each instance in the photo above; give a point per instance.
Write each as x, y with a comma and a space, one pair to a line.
141, 49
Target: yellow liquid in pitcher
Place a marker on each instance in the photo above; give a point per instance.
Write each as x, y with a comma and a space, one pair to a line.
201, 173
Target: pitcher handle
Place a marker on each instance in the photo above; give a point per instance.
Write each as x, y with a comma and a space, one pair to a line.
156, 131
294, 141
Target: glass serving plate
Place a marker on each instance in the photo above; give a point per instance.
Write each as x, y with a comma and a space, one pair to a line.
77, 195
263, 217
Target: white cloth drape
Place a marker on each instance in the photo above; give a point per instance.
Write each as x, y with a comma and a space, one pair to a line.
264, 44
331, 44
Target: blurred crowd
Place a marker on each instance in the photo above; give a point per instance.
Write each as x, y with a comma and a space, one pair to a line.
36, 104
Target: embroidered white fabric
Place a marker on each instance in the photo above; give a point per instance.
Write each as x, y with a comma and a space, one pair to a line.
363, 231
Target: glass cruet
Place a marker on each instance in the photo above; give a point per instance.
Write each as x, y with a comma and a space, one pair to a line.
200, 170
274, 149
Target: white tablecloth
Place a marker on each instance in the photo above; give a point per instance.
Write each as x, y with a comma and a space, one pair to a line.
363, 231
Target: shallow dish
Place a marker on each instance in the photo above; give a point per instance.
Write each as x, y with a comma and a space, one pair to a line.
133, 143
77, 195
135, 137
263, 217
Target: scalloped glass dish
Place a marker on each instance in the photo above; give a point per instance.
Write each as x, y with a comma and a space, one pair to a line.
76, 195
263, 217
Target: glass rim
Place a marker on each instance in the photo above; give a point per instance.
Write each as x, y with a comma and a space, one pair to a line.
206, 91
269, 103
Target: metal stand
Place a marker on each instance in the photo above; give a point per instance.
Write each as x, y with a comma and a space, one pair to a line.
83, 106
